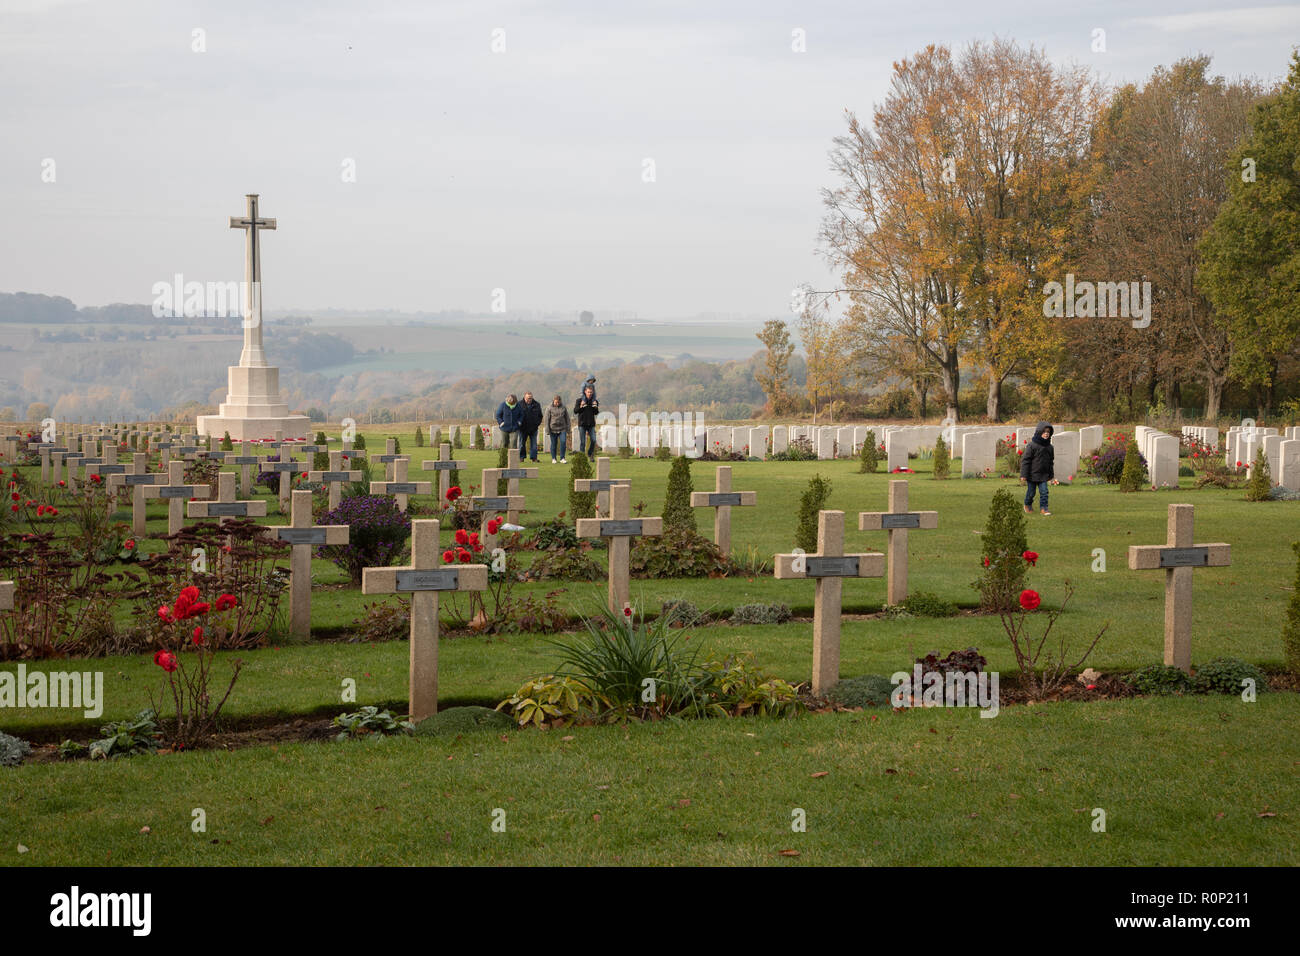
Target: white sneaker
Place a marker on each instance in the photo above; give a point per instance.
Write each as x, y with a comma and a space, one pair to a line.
564, 461
553, 461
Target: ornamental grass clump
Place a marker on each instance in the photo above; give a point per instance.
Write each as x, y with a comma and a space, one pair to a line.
378, 532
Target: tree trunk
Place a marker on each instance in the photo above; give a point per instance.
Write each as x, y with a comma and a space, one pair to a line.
1213, 397
950, 378
994, 405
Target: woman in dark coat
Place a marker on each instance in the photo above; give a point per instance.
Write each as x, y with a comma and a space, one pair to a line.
1036, 467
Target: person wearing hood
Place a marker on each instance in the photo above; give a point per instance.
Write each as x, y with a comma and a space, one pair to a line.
510, 419
1036, 467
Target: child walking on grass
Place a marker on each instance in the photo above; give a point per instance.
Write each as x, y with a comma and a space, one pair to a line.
1037, 467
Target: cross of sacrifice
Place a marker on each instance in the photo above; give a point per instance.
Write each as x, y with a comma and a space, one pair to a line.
444, 466
137, 479
723, 499
251, 224
304, 536
619, 529
897, 520
1179, 557
422, 579
176, 493
488, 505
828, 566
399, 486
601, 485
335, 478
512, 473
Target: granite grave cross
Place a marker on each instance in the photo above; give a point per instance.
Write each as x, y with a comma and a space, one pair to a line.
723, 499
422, 579
1179, 558
444, 466
305, 537
897, 520
619, 529
829, 566
177, 493
399, 486
335, 478
601, 485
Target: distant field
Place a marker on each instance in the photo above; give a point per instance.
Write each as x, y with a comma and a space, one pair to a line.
480, 347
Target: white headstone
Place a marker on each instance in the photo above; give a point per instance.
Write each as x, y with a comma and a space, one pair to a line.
1090, 439
1288, 475
1163, 460
1065, 455
978, 452
780, 439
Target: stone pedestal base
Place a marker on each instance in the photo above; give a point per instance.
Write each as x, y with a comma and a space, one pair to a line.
252, 409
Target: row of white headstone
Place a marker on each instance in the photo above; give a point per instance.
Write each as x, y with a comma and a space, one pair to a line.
975, 445
1281, 448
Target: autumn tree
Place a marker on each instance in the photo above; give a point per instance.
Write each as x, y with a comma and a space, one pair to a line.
1251, 253
775, 378
822, 343
1160, 151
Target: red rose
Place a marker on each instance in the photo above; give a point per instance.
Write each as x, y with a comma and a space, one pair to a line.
54, 511
40, 510
986, 562
14, 509
63, 484
16, 496
464, 557
130, 545
462, 536
1031, 557
448, 556
166, 660
1029, 600
226, 602
198, 635
164, 613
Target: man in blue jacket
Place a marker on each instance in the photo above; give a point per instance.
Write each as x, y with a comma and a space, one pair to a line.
510, 417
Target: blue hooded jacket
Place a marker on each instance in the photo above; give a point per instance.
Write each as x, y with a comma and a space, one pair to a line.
510, 418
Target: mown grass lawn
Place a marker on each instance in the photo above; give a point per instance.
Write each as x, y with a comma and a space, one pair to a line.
1163, 769
1182, 781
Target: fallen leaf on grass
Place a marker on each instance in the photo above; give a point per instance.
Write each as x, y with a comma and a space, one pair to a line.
789, 853
21, 848
890, 770
267, 820
595, 817
1266, 813
565, 739
821, 773
145, 830
682, 804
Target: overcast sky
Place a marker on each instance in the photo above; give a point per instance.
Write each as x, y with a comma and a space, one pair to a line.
476, 170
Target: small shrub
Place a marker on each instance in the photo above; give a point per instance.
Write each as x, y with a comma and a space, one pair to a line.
678, 514
419, 437
572, 564
760, 614
969, 661
1224, 675
683, 614
663, 453
582, 504
554, 534
1260, 483
677, 554
370, 720
870, 690
551, 699
750, 561
798, 449
384, 621
378, 531
1215, 473
1159, 679
869, 456
811, 502
1002, 545
1133, 475
926, 604
458, 441
456, 721
12, 750
478, 438
360, 443
226, 443
1186, 471
941, 458
123, 738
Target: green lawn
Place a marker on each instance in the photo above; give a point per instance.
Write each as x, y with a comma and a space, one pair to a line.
1162, 768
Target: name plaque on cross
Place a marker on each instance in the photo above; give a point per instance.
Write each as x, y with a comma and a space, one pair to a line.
514, 473
402, 488
140, 479
244, 460
167, 491
228, 509
443, 579
1185, 557
831, 567
716, 500
301, 535
111, 469
336, 476
603, 484
609, 528
490, 504
287, 466
385, 459
442, 465
890, 522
